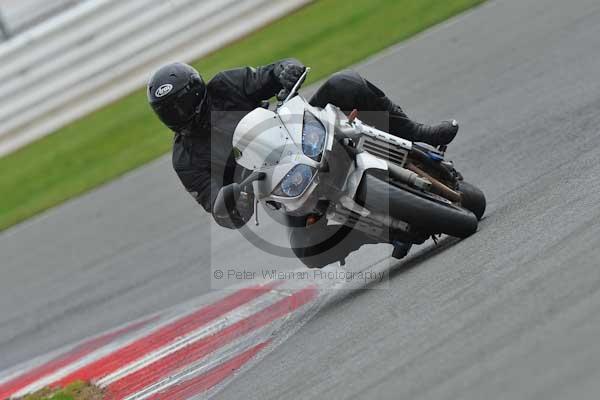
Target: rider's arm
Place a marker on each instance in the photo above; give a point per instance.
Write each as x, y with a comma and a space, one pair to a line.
192, 163
201, 185
264, 82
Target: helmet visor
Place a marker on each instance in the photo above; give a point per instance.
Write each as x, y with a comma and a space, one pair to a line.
179, 111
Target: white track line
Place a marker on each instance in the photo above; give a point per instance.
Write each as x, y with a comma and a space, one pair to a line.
244, 311
213, 327
207, 363
103, 351
118, 344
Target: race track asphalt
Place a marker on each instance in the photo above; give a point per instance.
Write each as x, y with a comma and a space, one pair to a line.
512, 312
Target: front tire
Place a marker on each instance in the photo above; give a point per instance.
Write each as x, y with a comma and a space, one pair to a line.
421, 213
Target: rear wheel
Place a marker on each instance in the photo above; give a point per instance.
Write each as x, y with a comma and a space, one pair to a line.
423, 212
473, 199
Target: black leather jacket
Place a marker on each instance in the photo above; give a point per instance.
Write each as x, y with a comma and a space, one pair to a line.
202, 158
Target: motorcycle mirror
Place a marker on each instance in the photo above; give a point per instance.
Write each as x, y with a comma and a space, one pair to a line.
228, 195
226, 199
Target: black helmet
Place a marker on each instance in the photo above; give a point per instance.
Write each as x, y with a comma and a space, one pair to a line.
176, 93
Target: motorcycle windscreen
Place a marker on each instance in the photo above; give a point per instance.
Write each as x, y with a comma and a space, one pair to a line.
261, 140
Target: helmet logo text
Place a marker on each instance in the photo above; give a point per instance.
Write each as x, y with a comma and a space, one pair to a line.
164, 90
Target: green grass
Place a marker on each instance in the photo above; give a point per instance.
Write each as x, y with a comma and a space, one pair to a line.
78, 390
327, 35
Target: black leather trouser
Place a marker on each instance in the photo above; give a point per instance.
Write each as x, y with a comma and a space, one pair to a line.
348, 90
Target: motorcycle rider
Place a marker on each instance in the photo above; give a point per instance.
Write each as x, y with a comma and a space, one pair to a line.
204, 116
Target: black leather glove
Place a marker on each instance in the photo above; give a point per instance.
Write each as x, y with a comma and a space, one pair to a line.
233, 208
290, 74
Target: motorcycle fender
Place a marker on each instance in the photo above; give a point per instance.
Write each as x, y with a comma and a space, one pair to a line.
364, 162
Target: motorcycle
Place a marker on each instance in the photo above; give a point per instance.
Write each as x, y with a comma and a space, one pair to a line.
315, 163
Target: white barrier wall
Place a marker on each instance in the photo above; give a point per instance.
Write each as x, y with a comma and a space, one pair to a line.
101, 50
19, 15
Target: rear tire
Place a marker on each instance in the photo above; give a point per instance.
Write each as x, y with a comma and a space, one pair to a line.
473, 199
422, 213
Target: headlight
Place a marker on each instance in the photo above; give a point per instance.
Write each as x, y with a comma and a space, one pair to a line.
295, 182
313, 137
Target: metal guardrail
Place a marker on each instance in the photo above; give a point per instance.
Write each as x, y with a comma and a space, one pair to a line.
101, 50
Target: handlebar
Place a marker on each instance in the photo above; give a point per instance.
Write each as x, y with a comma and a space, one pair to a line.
287, 96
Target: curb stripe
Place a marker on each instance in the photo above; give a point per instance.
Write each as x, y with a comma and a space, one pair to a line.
202, 366
142, 378
164, 335
208, 380
14, 385
209, 329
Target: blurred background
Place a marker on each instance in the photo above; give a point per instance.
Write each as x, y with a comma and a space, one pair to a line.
56, 53
17, 16
512, 312
73, 109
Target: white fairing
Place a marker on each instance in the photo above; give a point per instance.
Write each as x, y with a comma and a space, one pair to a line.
260, 139
272, 142
292, 115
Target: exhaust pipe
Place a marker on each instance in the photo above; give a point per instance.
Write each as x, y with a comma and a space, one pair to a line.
437, 186
409, 177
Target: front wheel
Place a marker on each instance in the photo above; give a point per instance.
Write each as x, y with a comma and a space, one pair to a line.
424, 213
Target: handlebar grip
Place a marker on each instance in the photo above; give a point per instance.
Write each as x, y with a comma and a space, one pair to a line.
283, 94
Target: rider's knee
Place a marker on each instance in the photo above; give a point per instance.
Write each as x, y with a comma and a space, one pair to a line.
352, 81
345, 80
374, 89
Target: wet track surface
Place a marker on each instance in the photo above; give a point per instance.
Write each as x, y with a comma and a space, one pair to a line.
512, 312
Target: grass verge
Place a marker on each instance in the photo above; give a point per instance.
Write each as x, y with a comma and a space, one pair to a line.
327, 35
75, 391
